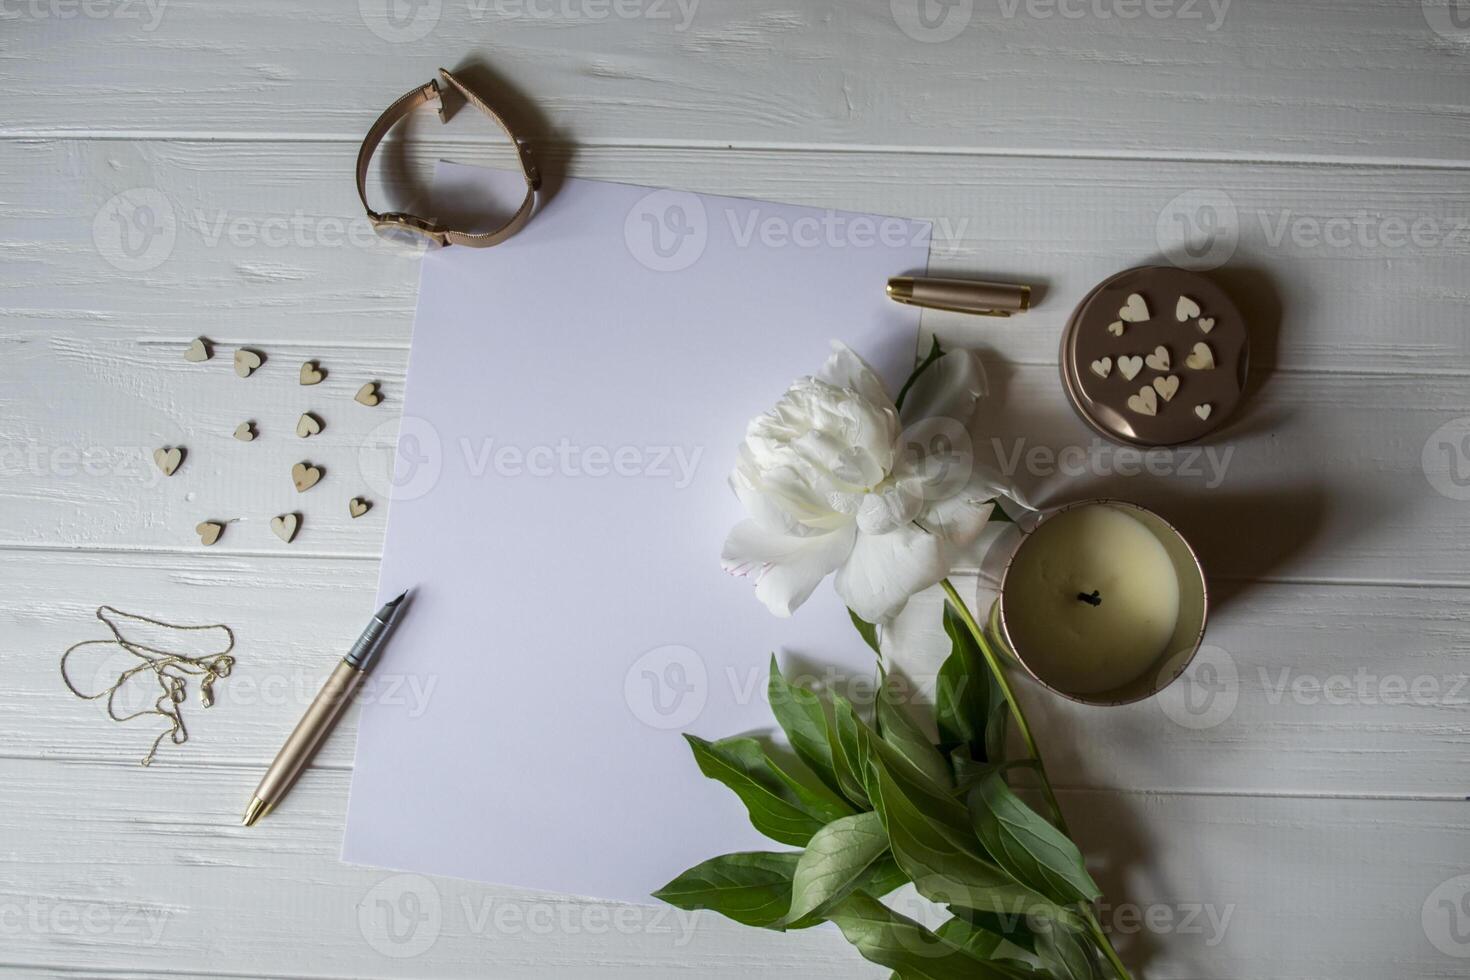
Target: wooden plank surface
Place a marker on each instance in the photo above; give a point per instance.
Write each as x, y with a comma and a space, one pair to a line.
1355, 269
1306, 701
181, 168
157, 871
1249, 79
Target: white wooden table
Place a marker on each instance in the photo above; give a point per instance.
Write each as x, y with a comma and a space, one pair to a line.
1296, 810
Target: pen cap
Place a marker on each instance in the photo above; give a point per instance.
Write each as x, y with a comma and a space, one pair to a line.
961, 295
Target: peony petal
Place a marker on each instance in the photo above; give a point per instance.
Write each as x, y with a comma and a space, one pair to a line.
787, 568
949, 387
883, 570
846, 370
957, 521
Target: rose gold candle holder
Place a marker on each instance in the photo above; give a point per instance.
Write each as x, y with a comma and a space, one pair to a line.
1188, 632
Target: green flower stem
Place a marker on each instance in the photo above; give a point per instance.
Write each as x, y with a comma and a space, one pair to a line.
1106, 944
1010, 695
998, 671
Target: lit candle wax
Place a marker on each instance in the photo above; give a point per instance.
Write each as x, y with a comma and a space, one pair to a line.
1091, 600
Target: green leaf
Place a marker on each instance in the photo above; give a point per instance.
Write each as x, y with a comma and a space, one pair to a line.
839, 859
868, 630
899, 943
1027, 846
753, 888
930, 836
1067, 952
884, 878
800, 715
899, 730
970, 937
780, 807
849, 755
962, 700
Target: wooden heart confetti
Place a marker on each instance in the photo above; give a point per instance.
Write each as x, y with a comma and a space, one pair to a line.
285, 526
1145, 402
1203, 411
1206, 323
357, 506
246, 361
308, 425
198, 351
1167, 387
1201, 358
1186, 309
1135, 310
1116, 328
168, 459
368, 394
1130, 366
305, 476
311, 374
1102, 367
1159, 359
245, 431
209, 532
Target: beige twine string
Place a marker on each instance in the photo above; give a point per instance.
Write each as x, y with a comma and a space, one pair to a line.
172, 671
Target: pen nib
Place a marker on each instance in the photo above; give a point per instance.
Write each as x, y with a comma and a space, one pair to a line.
257, 809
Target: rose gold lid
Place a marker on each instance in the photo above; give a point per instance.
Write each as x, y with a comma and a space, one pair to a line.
1155, 356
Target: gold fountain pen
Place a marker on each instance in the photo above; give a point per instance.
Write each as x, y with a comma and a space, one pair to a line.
319, 720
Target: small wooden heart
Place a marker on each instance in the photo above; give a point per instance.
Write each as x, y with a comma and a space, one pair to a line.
1102, 367
1201, 358
1116, 328
198, 351
209, 532
246, 361
1186, 309
305, 476
245, 431
368, 394
1206, 323
1145, 402
311, 374
168, 459
1203, 411
1135, 310
285, 526
1167, 387
1130, 366
357, 506
1159, 359
308, 425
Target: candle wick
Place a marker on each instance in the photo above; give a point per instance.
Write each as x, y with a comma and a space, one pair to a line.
1092, 600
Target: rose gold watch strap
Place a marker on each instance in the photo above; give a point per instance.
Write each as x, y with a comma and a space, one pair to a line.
444, 94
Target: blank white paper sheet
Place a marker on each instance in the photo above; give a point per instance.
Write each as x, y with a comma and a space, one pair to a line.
574, 402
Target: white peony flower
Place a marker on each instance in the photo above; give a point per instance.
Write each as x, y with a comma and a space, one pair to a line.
834, 482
